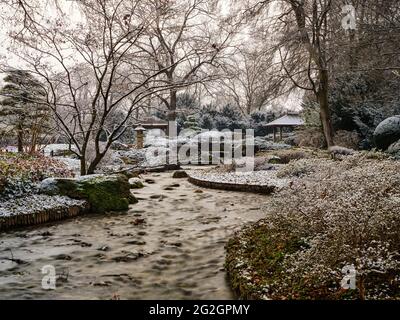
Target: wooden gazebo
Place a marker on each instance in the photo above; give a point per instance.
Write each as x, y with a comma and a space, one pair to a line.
289, 120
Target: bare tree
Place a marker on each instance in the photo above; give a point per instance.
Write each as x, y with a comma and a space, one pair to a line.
90, 67
301, 44
251, 79
187, 41
313, 42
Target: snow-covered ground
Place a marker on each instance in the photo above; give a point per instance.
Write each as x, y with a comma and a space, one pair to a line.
72, 164
10, 149
261, 178
35, 203
56, 147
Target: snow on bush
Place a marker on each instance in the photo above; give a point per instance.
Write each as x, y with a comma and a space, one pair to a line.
339, 214
20, 172
35, 168
299, 168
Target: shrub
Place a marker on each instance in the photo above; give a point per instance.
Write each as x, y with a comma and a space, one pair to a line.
347, 139
258, 121
311, 137
298, 168
206, 121
359, 102
31, 167
20, 172
340, 214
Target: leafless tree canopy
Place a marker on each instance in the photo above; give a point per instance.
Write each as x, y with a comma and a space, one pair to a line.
102, 58
112, 57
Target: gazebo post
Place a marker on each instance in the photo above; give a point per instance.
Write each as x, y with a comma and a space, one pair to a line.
280, 133
274, 134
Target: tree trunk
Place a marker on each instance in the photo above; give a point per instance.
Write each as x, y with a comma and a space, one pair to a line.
93, 165
20, 138
172, 106
248, 109
172, 127
353, 50
324, 108
34, 140
83, 166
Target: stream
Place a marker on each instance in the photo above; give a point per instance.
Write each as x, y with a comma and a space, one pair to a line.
170, 245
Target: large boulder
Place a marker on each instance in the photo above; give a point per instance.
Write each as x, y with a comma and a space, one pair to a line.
179, 174
387, 132
103, 192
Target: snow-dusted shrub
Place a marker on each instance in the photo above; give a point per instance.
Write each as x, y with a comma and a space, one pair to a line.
17, 187
310, 137
20, 172
263, 144
31, 167
344, 214
298, 168
287, 156
347, 139
206, 121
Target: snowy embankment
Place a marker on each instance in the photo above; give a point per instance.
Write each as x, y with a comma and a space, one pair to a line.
36, 203
20, 203
37, 209
253, 181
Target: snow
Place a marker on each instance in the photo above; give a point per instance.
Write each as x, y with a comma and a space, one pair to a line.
260, 178
72, 164
57, 147
11, 149
36, 203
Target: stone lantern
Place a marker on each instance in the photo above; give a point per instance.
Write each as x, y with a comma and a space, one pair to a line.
139, 136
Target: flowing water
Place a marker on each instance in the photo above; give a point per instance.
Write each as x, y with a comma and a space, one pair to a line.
170, 245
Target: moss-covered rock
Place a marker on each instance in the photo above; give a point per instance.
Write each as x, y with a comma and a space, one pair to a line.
131, 173
179, 174
136, 183
104, 193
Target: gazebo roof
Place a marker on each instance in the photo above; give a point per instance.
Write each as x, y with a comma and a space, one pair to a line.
289, 120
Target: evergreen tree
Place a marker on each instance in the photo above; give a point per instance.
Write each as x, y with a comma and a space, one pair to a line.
20, 109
